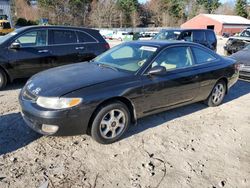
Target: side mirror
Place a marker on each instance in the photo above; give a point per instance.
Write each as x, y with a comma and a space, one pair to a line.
157, 70
15, 45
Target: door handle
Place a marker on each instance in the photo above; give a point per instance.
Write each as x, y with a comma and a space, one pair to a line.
80, 48
43, 51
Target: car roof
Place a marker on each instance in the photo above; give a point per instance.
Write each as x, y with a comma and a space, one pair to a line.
53, 27
162, 43
182, 29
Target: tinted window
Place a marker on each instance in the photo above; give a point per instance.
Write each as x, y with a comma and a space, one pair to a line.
202, 56
167, 35
84, 37
210, 36
63, 37
33, 38
187, 35
198, 36
173, 58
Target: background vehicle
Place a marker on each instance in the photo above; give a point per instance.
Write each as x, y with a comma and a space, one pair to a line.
123, 36
237, 43
243, 57
206, 37
29, 50
5, 26
129, 81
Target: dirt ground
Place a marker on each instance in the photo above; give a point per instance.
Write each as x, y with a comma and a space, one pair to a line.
191, 146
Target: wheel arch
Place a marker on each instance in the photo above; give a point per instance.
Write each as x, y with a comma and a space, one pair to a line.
123, 100
224, 79
8, 76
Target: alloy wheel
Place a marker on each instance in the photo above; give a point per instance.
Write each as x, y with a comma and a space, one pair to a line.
112, 124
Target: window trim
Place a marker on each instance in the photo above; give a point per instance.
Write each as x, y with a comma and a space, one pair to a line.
205, 63
65, 30
168, 47
144, 72
86, 34
74, 30
29, 31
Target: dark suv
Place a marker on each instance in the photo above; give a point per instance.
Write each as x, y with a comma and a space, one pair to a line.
205, 37
29, 50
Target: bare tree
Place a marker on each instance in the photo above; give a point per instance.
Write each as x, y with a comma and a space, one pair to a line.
104, 13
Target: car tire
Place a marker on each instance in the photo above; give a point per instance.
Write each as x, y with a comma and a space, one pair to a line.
217, 94
3, 79
110, 123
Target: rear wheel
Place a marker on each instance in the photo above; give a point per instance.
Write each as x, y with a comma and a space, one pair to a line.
110, 123
217, 95
3, 79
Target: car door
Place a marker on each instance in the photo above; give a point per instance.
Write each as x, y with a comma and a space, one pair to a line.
178, 85
88, 47
63, 47
205, 66
30, 53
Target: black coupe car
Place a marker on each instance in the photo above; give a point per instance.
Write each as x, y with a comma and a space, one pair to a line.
243, 57
129, 81
29, 50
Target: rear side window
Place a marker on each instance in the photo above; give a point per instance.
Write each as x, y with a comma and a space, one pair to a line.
63, 37
210, 36
202, 56
198, 36
84, 37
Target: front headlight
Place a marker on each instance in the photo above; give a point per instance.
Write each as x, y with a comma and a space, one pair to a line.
58, 103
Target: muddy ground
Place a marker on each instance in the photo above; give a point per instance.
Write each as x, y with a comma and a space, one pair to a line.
191, 146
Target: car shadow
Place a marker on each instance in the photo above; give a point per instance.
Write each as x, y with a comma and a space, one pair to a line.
16, 84
240, 89
14, 133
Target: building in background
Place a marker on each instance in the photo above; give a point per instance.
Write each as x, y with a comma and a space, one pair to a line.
5, 9
219, 23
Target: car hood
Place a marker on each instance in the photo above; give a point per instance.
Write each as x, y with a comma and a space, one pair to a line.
242, 56
65, 79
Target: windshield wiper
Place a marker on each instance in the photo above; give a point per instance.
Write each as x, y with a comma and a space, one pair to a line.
107, 66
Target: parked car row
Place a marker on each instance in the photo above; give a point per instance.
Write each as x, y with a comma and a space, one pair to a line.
109, 90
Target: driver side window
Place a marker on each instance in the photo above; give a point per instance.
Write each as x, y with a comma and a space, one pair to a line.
174, 58
33, 39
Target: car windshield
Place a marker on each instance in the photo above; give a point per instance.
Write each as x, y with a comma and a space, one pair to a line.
167, 35
126, 57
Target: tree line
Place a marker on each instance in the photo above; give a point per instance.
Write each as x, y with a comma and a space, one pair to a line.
124, 13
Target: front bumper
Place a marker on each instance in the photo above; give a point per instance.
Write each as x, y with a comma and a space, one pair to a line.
245, 71
73, 121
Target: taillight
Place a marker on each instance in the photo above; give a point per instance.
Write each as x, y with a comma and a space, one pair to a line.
106, 46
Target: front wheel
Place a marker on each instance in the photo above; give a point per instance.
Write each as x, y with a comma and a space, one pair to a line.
3, 79
110, 123
217, 95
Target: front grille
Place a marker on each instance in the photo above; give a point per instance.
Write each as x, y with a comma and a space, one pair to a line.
27, 95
